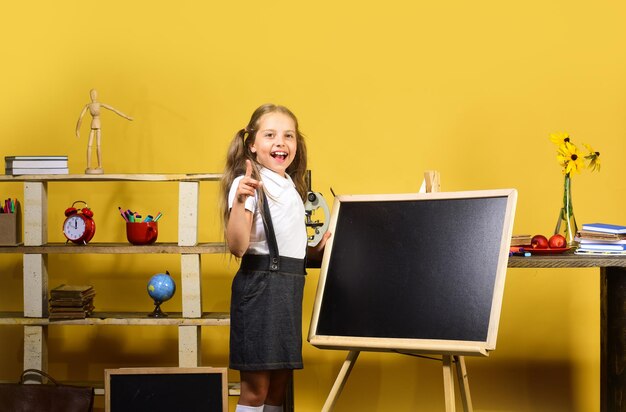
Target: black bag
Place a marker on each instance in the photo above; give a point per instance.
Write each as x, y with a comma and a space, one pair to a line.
21, 397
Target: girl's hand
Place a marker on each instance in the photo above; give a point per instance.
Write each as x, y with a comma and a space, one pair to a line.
240, 219
315, 254
247, 186
320, 246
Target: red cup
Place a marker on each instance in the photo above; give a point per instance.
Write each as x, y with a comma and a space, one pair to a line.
142, 233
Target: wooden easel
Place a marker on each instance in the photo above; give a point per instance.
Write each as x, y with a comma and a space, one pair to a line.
448, 382
431, 184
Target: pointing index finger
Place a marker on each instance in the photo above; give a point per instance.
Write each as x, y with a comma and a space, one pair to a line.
248, 168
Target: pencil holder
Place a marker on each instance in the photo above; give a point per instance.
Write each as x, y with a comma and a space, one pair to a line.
142, 233
11, 228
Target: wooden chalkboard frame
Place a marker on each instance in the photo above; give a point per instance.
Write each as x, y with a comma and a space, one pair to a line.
436, 346
152, 371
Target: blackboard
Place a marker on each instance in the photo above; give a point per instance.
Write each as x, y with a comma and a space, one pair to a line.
200, 389
416, 272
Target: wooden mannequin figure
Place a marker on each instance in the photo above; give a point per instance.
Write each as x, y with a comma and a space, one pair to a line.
94, 110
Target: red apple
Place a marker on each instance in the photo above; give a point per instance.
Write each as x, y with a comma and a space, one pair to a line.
557, 241
539, 242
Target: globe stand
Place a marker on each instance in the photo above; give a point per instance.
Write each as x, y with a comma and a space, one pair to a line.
157, 313
161, 288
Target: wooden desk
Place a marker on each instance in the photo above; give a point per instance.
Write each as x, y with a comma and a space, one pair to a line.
612, 317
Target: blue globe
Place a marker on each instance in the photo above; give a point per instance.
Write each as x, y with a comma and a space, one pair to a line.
161, 287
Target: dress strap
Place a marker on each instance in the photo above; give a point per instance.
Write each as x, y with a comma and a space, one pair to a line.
270, 235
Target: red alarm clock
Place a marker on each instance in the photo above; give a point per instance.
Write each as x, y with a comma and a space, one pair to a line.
79, 226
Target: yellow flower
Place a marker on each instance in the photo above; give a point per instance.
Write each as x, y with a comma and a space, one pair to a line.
569, 158
559, 138
593, 157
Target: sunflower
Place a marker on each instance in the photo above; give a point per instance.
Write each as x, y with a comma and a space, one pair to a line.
569, 159
593, 157
559, 138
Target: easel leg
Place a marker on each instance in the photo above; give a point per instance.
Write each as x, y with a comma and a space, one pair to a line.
346, 368
461, 376
448, 384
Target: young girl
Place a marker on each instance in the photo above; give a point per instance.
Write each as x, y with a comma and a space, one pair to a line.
263, 191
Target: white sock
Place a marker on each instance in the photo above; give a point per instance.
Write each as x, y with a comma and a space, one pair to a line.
244, 408
272, 408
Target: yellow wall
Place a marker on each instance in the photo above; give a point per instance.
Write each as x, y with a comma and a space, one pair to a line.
384, 91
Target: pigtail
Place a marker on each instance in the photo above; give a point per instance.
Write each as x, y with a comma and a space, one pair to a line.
237, 154
297, 169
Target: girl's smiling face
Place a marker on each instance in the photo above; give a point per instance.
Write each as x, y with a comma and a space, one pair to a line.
275, 143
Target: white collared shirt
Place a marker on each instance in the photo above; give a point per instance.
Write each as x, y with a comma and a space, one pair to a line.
287, 211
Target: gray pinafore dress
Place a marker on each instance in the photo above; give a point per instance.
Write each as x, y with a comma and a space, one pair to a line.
266, 309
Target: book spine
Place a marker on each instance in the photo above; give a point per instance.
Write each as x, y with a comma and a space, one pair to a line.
600, 252
583, 241
42, 171
16, 164
596, 246
10, 158
600, 229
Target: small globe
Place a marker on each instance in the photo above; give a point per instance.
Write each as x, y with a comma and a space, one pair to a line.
161, 287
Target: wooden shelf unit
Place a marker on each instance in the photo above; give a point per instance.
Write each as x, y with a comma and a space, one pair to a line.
35, 249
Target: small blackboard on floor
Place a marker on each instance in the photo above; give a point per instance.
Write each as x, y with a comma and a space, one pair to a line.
414, 272
200, 389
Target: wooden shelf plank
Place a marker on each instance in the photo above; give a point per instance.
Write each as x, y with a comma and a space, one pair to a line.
234, 388
121, 318
566, 260
116, 248
136, 177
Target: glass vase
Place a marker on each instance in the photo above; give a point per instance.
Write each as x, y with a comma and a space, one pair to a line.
566, 223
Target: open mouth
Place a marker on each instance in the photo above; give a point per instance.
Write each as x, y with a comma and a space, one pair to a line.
279, 155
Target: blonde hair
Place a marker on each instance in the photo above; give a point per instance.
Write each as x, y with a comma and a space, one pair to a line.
239, 151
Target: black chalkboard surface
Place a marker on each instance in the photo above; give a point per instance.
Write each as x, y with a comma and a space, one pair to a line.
418, 272
200, 389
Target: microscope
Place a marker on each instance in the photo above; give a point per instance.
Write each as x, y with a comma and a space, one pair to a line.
315, 201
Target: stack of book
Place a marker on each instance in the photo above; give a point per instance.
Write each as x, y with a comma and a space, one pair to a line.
36, 165
521, 240
601, 239
71, 302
